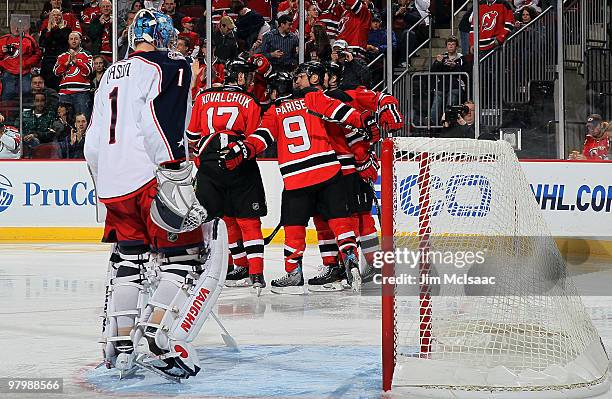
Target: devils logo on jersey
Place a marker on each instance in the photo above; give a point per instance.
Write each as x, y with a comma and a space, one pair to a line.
489, 20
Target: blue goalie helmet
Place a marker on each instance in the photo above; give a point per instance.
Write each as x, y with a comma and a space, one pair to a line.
153, 27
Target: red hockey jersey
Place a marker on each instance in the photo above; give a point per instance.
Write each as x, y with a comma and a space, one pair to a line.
222, 109
70, 20
496, 22
218, 75
9, 60
305, 154
88, 14
355, 25
330, 15
74, 74
596, 148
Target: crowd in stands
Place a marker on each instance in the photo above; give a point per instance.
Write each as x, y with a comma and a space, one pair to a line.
68, 49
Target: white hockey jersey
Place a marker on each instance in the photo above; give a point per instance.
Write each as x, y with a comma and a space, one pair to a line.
10, 142
138, 122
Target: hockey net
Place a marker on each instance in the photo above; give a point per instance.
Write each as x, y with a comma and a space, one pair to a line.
518, 327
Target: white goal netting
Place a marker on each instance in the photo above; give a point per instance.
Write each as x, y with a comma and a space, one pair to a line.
490, 306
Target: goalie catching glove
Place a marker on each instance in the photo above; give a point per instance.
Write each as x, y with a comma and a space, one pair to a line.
231, 157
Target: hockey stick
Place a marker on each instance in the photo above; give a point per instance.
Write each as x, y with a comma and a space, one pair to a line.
376, 202
229, 341
267, 240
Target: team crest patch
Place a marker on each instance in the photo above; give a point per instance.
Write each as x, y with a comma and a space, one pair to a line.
172, 237
255, 206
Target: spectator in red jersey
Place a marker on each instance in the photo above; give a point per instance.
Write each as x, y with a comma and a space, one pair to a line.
38, 86
355, 25
62, 5
53, 41
496, 22
9, 62
169, 8
74, 68
312, 19
287, 7
597, 142
89, 13
248, 24
330, 13
69, 18
318, 48
100, 31
224, 41
194, 39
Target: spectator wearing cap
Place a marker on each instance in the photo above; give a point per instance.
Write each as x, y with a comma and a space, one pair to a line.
101, 30
74, 68
248, 24
224, 41
597, 142
188, 32
53, 41
355, 71
10, 62
377, 38
280, 45
169, 8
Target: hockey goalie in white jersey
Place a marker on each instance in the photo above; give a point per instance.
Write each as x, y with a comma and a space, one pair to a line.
164, 276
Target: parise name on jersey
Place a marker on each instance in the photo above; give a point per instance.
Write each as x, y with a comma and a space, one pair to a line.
290, 106
118, 71
240, 98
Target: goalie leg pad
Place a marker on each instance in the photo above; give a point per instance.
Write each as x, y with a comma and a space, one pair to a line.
187, 288
125, 292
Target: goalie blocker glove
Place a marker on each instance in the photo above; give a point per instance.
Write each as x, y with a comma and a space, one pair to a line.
231, 157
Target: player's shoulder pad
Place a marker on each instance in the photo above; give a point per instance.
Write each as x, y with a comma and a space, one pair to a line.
339, 95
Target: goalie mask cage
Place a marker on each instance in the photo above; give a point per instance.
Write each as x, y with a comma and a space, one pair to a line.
528, 335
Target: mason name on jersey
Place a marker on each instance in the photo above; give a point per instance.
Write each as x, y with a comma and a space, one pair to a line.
217, 97
118, 71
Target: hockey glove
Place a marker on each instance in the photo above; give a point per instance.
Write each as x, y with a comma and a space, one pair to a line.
390, 119
231, 157
368, 122
368, 168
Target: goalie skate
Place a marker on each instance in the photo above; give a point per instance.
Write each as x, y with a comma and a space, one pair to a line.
143, 362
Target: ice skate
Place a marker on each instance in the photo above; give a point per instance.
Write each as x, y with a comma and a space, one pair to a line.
239, 277
258, 282
292, 283
329, 280
125, 364
351, 264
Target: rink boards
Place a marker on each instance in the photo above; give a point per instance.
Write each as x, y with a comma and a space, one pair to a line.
55, 200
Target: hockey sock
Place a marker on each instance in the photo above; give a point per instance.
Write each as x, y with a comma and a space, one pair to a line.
327, 241
253, 243
234, 238
295, 244
368, 236
343, 231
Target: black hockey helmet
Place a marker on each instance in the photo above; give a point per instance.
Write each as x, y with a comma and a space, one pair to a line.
334, 70
235, 67
282, 82
311, 68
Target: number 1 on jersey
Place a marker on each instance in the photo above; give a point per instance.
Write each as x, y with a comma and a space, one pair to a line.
112, 96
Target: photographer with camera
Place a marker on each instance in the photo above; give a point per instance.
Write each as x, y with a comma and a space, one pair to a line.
355, 71
9, 62
458, 121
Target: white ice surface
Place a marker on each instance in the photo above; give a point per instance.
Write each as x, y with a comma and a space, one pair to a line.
51, 296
